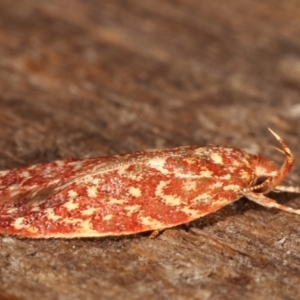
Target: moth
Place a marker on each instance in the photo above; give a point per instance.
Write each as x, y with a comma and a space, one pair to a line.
132, 193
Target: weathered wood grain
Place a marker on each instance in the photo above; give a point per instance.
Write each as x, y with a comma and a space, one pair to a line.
87, 78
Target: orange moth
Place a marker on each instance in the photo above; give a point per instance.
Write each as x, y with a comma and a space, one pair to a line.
132, 193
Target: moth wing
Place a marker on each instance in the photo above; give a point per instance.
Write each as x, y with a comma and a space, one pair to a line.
113, 202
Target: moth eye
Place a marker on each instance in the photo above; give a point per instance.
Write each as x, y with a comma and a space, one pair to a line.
260, 180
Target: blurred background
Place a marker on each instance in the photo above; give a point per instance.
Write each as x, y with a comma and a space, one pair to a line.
89, 78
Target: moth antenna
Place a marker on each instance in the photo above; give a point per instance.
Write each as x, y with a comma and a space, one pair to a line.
286, 149
289, 159
279, 150
256, 187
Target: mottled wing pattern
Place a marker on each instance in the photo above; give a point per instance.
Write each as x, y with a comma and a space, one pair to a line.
121, 194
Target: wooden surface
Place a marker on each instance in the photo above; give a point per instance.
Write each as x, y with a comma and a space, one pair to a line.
89, 78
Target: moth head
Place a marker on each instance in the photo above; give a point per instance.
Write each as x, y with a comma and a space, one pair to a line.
265, 175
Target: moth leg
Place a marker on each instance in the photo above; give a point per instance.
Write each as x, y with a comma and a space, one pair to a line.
155, 233
289, 189
268, 202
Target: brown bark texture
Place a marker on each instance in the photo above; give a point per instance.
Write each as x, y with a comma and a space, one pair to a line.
90, 78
